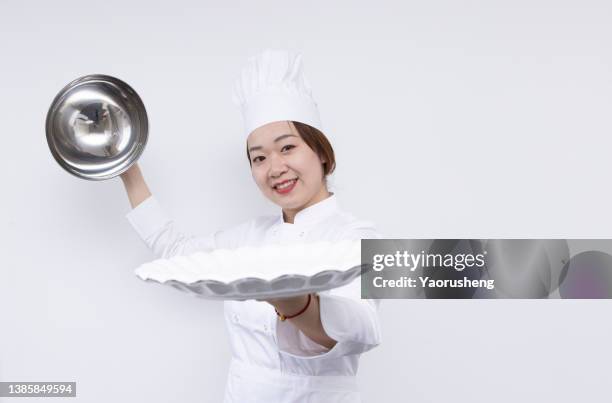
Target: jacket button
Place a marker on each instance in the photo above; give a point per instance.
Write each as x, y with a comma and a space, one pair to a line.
235, 317
302, 233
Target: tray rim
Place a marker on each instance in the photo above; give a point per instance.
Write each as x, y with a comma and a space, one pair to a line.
356, 271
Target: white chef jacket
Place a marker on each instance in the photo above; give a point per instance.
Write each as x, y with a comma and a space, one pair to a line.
273, 361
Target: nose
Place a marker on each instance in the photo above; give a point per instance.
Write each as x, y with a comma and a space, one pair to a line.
277, 166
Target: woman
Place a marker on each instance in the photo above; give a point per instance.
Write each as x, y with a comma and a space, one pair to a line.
299, 349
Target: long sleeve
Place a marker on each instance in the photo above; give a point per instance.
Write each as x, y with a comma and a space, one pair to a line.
160, 234
351, 321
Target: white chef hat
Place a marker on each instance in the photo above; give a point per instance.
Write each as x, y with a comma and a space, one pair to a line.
272, 87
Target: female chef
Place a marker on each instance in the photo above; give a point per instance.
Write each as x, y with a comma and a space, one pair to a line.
300, 349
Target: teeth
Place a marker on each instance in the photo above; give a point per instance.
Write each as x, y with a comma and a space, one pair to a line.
286, 184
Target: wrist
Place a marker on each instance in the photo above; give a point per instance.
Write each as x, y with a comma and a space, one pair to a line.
131, 174
292, 307
289, 303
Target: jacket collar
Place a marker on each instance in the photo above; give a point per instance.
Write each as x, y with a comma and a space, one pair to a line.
314, 213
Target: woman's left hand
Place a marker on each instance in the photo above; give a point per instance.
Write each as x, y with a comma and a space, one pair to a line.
309, 321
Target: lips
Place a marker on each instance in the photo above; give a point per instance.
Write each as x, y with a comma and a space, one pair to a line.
285, 187
284, 184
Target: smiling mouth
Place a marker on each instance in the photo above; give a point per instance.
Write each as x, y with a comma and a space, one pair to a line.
286, 184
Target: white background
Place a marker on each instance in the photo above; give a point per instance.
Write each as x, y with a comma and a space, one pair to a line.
449, 119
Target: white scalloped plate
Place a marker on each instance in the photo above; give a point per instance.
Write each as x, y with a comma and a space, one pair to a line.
270, 271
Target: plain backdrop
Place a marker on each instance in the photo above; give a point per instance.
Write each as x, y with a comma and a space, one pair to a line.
463, 119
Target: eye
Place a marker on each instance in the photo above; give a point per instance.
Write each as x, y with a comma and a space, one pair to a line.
288, 145
256, 159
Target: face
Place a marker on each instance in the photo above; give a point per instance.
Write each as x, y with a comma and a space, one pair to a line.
286, 170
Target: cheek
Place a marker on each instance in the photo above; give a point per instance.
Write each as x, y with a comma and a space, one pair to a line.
314, 168
262, 183
305, 164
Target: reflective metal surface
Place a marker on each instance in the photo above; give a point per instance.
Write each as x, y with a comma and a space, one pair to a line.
287, 285
97, 127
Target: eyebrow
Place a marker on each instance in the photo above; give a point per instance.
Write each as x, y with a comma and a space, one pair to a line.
276, 140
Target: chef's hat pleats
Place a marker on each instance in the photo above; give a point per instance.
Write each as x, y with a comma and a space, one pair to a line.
273, 87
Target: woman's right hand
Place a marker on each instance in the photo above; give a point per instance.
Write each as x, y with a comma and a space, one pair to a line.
135, 185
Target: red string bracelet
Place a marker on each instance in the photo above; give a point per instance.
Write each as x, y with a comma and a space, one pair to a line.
283, 317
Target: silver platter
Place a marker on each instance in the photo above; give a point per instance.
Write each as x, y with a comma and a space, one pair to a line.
97, 127
256, 288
